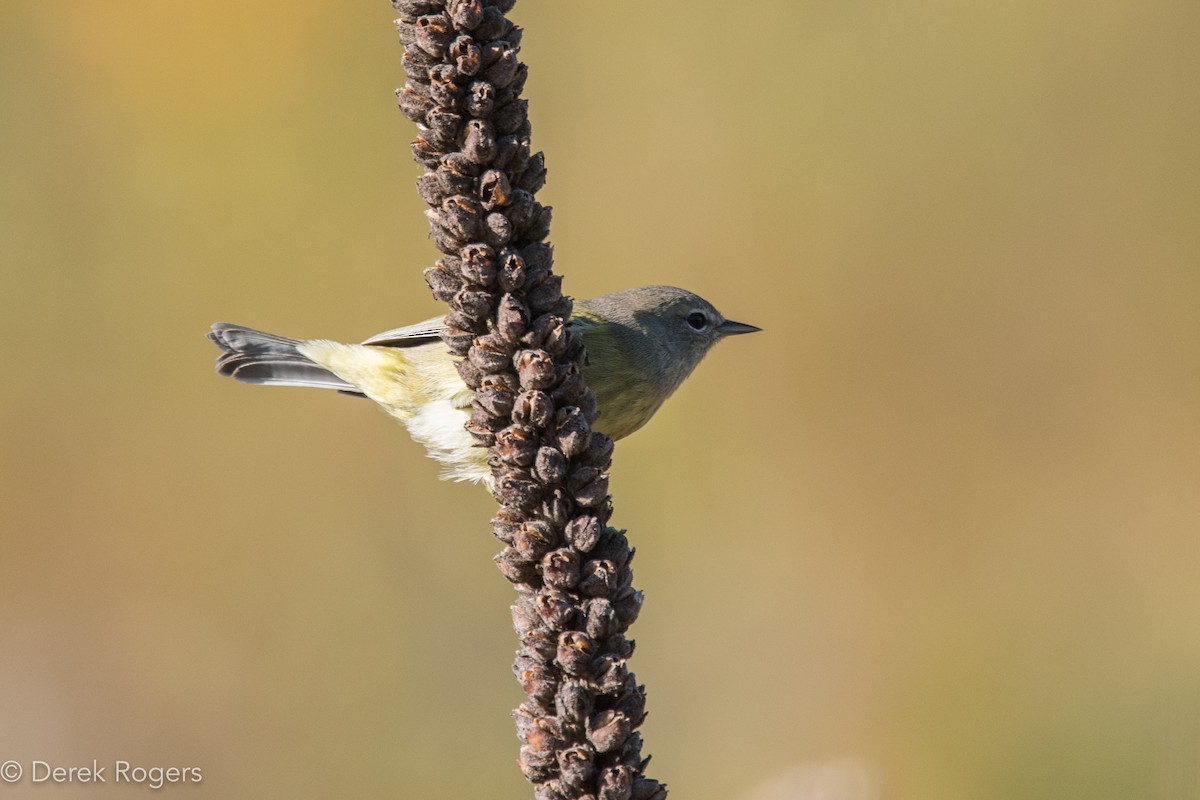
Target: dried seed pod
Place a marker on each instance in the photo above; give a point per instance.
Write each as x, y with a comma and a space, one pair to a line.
470, 374
633, 703
480, 101
494, 189
616, 783
478, 264
536, 370
512, 317
600, 616
540, 683
555, 608
465, 14
648, 789
514, 566
497, 229
433, 34
560, 569
584, 532
533, 407
597, 578
535, 538
574, 702
512, 271
493, 393
494, 24
571, 433
628, 604
549, 466
413, 104
514, 489
576, 766
479, 143
442, 281
467, 57
542, 642
608, 730
575, 653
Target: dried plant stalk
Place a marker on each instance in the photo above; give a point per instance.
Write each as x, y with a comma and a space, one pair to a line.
507, 321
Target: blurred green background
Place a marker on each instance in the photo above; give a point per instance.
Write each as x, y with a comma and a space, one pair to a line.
938, 523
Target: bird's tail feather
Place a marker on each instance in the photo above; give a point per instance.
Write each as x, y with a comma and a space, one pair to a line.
256, 357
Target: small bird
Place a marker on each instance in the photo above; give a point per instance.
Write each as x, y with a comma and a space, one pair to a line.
641, 345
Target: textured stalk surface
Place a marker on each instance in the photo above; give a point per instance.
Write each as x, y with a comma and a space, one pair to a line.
532, 409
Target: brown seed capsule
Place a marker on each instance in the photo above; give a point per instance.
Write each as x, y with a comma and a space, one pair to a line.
515, 567
555, 608
533, 177
444, 87
411, 9
608, 730
479, 143
535, 765
601, 618
480, 100
511, 116
574, 702
503, 70
516, 444
571, 431
535, 538
490, 354
611, 673
575, 652
628, 606
533, 407
549, 466
413, 104
557, 508
616, 783
494, 189
470, 374
576, 765
597, 578
494, 24
541, 642
583, 532
441, 129
544, 736
442, 281
512, 317
560, 569
478, 264
633, 704
433, 34
465, 14
648, 789
539, 684
466, 56
594, 494
514, 490
512, 271
497, 230
536, 370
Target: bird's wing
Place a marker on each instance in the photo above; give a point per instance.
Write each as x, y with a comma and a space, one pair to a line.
410, 335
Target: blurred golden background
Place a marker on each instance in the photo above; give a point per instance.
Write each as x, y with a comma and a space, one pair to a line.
938, 524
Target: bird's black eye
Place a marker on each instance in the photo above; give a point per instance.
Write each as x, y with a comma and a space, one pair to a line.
697, 321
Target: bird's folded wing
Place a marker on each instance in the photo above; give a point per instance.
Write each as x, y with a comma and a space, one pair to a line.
410, 335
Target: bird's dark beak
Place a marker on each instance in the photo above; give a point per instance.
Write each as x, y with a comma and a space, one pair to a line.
731, 328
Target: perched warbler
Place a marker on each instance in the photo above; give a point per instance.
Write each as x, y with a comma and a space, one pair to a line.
641, 344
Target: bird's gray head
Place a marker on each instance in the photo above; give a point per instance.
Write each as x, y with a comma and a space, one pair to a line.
667, 330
